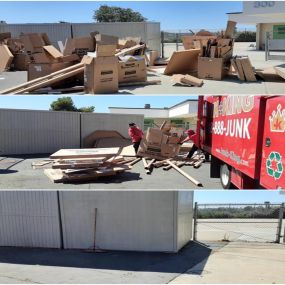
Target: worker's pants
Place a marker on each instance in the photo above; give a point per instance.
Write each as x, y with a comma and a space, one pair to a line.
136, 146
191, 152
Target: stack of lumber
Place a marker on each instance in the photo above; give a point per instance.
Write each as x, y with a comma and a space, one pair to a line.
81, 165
46, 80
243, 68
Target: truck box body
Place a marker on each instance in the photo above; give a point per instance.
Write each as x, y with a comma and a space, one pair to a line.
241, 132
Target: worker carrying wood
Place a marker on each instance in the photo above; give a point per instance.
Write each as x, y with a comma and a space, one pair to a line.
136, 135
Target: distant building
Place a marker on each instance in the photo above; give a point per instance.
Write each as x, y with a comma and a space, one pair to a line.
268, 16
182, 115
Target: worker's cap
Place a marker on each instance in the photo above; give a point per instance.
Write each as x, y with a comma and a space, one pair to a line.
131, 124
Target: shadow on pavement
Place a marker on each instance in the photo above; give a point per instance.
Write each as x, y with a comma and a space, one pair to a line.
186, 258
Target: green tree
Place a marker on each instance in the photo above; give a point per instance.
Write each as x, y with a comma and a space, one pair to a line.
66, 104
116, 14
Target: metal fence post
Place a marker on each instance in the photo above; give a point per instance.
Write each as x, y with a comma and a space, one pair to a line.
266, 46
280, 219
176, 39
195, 221
162, 44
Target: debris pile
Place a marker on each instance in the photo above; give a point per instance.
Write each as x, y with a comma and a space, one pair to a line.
88, 164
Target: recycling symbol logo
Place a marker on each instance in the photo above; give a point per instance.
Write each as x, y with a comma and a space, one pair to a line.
274, 165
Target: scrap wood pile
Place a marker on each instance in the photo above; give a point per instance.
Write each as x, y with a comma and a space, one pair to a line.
161, 147
87, 164
95, 64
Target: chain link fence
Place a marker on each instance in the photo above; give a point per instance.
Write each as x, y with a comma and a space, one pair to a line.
239, 222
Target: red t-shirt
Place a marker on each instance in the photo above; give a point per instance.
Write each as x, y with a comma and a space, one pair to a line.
192, 138
136, 134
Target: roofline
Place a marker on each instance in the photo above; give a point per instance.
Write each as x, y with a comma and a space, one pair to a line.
234, 13
166, 108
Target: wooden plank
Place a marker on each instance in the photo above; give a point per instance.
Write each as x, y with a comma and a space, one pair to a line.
197, 164
193, 180
131, 49
179, 164
150, 163
134, 161
84, 153
128, 151
37, 80
50, 81
145, 164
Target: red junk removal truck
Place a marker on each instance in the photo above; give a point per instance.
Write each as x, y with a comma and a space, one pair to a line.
245, 136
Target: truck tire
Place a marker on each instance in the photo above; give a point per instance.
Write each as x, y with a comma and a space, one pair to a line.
225, 176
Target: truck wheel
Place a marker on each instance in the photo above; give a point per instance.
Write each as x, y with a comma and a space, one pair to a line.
225, 176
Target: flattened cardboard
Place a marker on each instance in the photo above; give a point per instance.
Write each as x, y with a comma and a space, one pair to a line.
42, 57
240, 69
183, 62
33, 42
229, 33
153, 56
154, 136
211, 68
132, 71
187, 80
248, 69
53, 51
101, 75
105, 50
188, 41
6, 57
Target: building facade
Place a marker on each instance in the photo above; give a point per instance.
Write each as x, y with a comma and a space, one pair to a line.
182, 115
268, 17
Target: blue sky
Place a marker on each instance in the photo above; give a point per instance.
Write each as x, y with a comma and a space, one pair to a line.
238, 196
101, 103
173, 15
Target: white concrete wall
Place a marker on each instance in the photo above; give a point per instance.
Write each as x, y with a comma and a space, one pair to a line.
91, 122
184, 110
125, 220
33, 132
128, 220
185, 213
29, 219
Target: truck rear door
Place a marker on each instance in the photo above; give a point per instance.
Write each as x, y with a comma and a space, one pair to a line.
273, 149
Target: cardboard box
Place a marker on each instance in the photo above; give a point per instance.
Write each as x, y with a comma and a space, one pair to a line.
132, 71
37, 70
169, 150
52, 51
106, 40
21, 62
34, 42
154, 137
6, 58
173, 140
105, 50
153, 56
77, 44
211, 68
101, 75
42, 57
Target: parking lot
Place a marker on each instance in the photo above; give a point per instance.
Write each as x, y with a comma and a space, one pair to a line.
220, 262
230, 84
22, 176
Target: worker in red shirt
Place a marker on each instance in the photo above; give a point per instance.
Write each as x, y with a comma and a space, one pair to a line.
136, 135
191, 136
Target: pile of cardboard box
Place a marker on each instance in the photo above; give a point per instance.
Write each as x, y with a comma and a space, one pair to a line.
160, 143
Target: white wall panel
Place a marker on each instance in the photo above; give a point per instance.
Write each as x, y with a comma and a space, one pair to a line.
128, 220
29, 219
103, 121
32, 132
